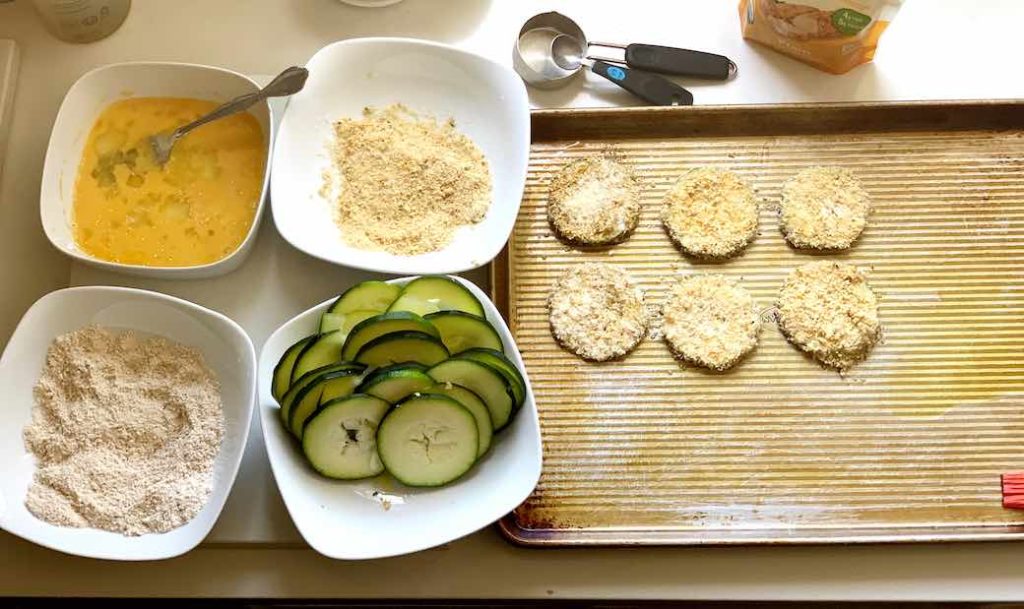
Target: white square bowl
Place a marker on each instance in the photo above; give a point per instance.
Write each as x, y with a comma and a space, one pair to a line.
487, 100
86, 100
227, 350
346, 519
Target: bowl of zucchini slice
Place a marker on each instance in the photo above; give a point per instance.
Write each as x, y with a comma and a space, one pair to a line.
398, 416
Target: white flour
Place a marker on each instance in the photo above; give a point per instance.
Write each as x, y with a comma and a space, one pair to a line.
125, 431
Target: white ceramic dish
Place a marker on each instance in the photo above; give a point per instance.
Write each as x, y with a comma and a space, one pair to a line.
347, 520
86, 99
487, 100
227, 350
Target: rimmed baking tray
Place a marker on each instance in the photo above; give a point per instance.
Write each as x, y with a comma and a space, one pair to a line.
907, 446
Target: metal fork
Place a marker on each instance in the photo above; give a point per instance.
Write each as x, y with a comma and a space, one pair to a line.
288, 82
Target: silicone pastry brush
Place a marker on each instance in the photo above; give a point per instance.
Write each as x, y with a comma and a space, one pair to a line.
1013, 490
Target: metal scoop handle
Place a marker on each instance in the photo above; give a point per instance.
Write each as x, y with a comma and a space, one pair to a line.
650, 87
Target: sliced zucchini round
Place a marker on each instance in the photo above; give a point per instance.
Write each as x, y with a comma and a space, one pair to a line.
461, 331
385, 323
324, 388
400, 347
436, 293
475, 406
340, 440
396, 385
288, 399
428, 440
366, 296
482, 380
282, 377
322, 350
343, 321
393, 367
500, 362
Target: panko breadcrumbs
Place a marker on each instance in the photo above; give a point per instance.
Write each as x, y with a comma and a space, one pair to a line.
823, 208
404, 183
710, 321
827, 309
710, 213
594, 200
597, 312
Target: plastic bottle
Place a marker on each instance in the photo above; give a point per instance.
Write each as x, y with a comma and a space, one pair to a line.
82, 20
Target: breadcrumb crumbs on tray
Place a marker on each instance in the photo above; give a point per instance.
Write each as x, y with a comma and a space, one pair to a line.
824, 208
710, 321
711, 213
597, 312
403, 183
828, 310
594, 200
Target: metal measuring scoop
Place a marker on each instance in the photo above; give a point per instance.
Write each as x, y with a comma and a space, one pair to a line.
552, 48
533, 57
288, 82
569, 53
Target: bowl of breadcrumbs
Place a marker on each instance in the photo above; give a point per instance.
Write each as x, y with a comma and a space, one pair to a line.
401, 156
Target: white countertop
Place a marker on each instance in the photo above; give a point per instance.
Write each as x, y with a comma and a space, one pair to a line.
936, 49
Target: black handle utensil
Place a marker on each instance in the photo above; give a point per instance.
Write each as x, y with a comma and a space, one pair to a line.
671, 60
552, 49
650, 87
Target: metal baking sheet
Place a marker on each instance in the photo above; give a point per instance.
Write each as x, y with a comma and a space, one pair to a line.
907, 446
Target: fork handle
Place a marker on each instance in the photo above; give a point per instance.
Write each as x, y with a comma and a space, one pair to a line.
286, 83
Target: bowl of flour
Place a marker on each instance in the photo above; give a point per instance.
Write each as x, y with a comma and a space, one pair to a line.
127, 415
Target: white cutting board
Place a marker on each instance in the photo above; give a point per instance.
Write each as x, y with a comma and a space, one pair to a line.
8, 78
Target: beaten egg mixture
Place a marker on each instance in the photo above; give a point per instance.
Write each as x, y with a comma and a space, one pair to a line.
194, 210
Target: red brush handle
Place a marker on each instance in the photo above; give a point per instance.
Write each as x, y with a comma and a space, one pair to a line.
1013, 491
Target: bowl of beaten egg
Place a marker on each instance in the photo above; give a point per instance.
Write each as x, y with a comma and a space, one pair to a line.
104, 201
